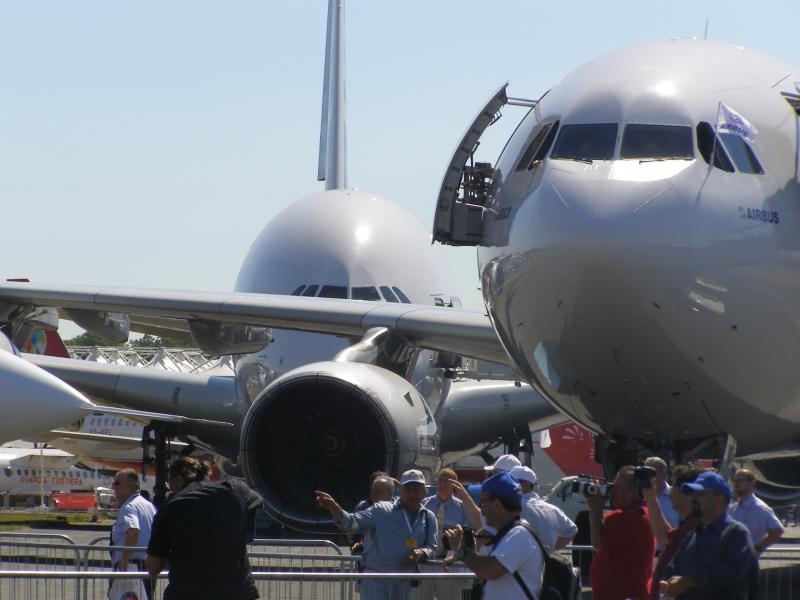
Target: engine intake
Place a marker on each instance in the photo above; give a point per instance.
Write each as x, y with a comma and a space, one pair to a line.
328, 426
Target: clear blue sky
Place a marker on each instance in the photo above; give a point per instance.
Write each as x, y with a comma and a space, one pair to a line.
146, 144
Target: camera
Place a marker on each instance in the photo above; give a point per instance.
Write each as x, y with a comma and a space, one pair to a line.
468, 537
583, 485
642, 476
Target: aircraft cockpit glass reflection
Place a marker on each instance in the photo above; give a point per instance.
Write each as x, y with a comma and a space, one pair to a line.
538, 148
657, 142
388, 294
586, 142
333, 291
367, 292
743, 156
707, 145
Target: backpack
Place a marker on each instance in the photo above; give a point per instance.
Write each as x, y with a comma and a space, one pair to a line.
561, 580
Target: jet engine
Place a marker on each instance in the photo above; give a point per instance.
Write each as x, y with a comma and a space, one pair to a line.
328, 426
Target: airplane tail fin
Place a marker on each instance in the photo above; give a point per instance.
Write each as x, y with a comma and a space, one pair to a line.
332, 166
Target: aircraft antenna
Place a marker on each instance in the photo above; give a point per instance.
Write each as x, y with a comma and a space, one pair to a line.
332, 166
705, 35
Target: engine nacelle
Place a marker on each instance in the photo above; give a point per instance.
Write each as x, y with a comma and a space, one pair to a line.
328, 426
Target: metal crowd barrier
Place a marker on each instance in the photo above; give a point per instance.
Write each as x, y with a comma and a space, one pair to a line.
278, 585
284, 569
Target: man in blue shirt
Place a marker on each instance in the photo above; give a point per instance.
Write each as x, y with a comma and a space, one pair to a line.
402, 534
717, 560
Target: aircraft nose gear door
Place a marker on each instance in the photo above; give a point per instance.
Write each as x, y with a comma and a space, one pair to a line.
462, 196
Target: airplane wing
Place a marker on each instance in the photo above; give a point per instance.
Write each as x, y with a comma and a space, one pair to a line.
452, 330
121, 441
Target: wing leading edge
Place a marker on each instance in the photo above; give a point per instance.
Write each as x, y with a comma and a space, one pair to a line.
457, 331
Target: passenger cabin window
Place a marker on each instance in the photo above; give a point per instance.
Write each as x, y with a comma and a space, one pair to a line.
403, 298
299, 290
742, 154
592, 141
311, 290
388, 295
657, 142
333, 291
538, 148
368, 292
706, 145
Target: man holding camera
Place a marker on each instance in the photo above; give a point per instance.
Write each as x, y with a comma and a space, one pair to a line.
623, 541
513, 567
403, 534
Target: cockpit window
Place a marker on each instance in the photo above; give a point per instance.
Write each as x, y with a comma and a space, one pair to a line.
403, 298
365, 293
538, 148
333, 291
299, 290
659, 142
741, 153
311, 290
388, 295
592, 141
706, 145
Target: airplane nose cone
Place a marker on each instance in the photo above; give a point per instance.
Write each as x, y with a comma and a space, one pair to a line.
585, 291
35, 401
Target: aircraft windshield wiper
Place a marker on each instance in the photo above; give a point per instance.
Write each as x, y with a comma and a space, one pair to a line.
661, 158
588, 161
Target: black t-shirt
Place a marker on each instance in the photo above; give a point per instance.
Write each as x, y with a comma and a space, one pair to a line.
203, 532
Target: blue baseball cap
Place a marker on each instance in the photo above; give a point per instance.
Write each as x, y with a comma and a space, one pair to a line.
502, 484
709, 481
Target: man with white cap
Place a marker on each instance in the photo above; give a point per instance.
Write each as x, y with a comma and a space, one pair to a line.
555, 529
403, 534
504, 463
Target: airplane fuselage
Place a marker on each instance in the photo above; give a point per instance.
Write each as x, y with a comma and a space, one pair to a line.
651, 295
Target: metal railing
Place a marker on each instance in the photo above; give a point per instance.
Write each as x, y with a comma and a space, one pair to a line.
278, 585
284, 569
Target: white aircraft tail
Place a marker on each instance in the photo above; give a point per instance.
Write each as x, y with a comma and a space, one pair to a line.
332, 167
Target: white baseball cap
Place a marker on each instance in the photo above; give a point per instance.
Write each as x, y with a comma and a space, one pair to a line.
412, 476
524, 474
504, 463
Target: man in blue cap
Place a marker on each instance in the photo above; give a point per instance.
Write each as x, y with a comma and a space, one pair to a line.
717, 560
513, 567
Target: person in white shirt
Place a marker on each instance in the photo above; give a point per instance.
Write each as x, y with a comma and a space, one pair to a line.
513, 569
133, 525
753, 513
555, 529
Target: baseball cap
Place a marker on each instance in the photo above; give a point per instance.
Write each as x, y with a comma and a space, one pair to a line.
502, 484
412, 476
709, 481
504, 463
524, 474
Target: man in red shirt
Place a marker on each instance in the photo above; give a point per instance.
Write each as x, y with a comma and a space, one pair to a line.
624, 543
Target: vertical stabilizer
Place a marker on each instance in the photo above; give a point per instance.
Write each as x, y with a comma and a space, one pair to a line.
332, 168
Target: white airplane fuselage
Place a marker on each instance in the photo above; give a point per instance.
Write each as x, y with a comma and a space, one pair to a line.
657, 299
347, 242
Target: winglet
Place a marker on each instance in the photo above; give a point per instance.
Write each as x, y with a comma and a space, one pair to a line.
332, 166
